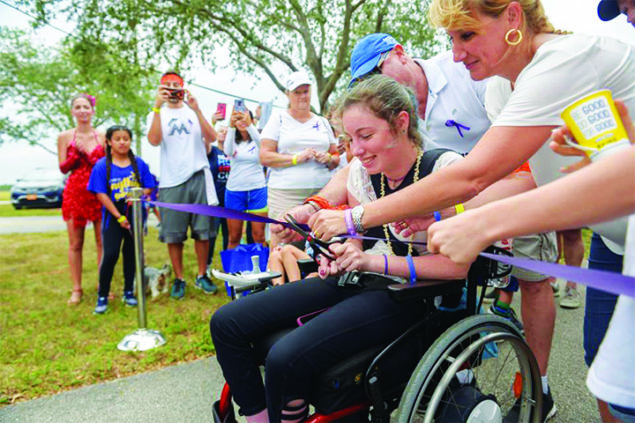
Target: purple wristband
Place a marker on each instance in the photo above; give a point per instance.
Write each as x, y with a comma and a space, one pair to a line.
385, 264
348, 217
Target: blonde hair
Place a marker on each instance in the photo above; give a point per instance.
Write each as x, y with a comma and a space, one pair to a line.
385, 98
459, 14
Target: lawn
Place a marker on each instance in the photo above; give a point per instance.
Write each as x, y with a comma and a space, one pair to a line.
48, 347
7, 210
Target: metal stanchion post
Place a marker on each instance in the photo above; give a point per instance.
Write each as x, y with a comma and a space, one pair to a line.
143, 338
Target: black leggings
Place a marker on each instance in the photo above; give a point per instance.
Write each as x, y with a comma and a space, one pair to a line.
358, 318
112, 235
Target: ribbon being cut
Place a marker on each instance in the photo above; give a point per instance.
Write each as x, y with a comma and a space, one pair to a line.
614, 283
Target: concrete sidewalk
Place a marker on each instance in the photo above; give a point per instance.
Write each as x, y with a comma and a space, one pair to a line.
181, 393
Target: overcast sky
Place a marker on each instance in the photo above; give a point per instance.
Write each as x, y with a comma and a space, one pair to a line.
16, 158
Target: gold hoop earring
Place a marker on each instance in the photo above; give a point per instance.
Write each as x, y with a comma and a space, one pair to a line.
508, 35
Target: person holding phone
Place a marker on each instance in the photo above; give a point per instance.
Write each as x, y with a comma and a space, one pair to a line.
246, 189
299, 148
184, 136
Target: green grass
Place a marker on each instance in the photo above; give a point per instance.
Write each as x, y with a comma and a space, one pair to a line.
7, 210
5, 195
47, 347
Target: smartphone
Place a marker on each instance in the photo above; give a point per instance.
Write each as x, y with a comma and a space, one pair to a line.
177, 93
239, 105
221, 108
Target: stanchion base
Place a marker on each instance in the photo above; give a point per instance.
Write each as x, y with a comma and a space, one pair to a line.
141, 340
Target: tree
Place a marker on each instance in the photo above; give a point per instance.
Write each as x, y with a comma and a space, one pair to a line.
37, 84
274, 36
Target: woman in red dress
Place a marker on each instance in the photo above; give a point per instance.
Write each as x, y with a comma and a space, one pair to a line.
78, 150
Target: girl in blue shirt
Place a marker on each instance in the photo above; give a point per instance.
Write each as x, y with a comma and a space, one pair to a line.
111, 179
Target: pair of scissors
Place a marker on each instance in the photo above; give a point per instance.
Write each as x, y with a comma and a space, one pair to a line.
318, 246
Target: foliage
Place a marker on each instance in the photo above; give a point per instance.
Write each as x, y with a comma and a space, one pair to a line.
47, 347
37, 83
274, 36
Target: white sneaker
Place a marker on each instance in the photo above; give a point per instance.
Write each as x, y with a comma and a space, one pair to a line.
571, 298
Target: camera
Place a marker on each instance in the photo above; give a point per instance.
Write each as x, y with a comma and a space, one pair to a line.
176, 93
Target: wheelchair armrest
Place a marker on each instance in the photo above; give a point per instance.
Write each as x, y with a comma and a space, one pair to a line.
424, 289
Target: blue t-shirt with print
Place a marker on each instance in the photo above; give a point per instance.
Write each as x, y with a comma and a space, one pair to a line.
219, 165
121, 180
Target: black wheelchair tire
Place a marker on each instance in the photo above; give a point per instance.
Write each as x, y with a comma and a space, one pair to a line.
495, 328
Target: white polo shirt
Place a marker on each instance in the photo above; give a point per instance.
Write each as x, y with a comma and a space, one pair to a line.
452, 97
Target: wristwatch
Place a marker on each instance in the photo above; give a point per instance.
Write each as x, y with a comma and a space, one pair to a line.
357, 212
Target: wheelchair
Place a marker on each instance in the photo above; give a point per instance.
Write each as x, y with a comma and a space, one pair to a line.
454, 365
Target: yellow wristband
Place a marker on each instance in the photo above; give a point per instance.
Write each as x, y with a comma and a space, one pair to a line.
459, 208
294, 160
121, 219
156, 110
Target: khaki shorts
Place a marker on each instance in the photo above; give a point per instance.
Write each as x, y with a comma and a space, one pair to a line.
174, 223
281, 200
543, 247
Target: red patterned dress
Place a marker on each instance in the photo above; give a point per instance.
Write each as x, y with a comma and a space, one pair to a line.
78, 204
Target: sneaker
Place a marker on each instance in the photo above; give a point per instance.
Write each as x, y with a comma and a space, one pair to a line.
178, 289
490, 295
571, 298
206, 284
548, 409
129, 299
555, 288
102, 305
510, 315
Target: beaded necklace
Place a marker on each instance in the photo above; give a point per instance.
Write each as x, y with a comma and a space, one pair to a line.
415, 178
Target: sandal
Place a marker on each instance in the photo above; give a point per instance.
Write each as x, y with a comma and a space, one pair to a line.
76, 297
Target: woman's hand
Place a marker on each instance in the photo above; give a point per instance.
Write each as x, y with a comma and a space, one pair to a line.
327, 267
306, 155
408, 227
349, 257
301, 214
216, 117
125, 224
235, 117
323, 157
326, 224
460, 238
246, 117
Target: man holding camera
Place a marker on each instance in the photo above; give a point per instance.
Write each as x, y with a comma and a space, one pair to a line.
184, 137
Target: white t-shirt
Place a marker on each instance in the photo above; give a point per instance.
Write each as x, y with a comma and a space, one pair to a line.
182, 147
611, 377
293, 137
246, 171
360, 187
563, 70
452, 96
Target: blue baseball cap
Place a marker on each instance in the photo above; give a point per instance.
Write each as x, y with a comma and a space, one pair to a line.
367, 52
608, 9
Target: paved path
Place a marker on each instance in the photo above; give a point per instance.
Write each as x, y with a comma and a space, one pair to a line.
183, 393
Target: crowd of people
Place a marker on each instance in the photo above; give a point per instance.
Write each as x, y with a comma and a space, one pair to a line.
464, 133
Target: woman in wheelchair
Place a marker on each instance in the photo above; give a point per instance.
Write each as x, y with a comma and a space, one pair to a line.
379, 116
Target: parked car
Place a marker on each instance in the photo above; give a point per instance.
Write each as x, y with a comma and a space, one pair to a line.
39, 188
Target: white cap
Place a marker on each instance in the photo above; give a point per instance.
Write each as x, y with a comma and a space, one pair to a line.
296, 79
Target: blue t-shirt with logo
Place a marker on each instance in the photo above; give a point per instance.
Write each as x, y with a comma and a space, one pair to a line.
219, 165
121, 180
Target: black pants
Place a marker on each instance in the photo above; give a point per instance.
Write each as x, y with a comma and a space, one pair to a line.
357, 319
112, 236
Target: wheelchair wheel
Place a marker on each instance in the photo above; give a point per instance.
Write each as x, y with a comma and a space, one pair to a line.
480, 369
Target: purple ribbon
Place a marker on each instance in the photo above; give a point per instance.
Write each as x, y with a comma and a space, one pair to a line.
614, 283
451, 122
216, 211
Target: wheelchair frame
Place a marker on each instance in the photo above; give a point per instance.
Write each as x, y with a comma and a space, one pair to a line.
474, 329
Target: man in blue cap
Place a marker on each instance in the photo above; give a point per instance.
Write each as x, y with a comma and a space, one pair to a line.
449, 102
610, 9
